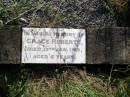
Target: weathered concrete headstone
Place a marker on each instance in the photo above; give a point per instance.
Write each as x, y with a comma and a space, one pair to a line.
53, 45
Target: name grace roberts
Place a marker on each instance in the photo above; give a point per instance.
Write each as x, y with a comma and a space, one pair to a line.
53, 41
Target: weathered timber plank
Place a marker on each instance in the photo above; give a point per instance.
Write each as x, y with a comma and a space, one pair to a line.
108, 45
103, 45
127, 46
10, 37
118, 45
95, 46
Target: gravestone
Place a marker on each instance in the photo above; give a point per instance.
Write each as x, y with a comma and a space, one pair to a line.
53, 45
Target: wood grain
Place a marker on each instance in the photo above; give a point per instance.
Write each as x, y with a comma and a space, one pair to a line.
110, 45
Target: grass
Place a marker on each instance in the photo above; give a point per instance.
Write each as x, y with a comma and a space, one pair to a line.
66, 88
122, 90
14, 10
63, 83
69, 83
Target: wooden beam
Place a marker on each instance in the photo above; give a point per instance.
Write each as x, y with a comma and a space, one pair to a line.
103, 45
10, 45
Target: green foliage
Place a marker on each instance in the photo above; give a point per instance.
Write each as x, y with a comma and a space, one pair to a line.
75, 89
16, 88
3, 12
63, 85
12, 82
122, 92
13, 10
65, 89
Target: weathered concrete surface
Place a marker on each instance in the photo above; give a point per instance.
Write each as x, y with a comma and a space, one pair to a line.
10, 37
103, 45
